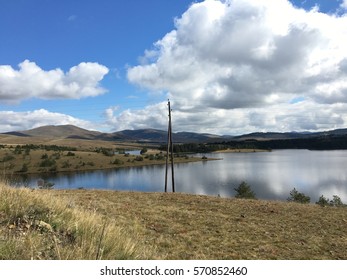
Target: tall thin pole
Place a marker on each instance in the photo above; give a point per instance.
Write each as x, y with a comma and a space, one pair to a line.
169, 151
172, 157
167, 155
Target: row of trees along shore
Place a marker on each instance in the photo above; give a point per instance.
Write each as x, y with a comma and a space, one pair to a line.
244, 191
310, 143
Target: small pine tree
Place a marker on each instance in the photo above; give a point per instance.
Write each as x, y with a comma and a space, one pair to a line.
244, 191
336, 201
299, 197
323, 201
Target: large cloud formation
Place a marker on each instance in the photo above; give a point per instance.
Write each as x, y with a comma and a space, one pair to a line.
244, 65
17, 121
32, 81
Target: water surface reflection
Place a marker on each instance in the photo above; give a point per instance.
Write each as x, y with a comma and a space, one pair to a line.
271, 175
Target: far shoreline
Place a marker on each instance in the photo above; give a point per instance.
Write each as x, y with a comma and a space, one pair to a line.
242, 151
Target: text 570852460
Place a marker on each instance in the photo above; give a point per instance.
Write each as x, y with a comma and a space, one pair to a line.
207, 270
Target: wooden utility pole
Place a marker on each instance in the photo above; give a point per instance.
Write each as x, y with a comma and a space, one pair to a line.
169, 151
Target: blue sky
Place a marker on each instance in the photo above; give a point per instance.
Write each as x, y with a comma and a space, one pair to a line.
111, 65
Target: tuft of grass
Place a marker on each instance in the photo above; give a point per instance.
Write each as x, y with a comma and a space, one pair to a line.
34, 224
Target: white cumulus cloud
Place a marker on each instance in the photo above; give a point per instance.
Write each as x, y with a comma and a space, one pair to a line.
31, 81
17, 121
244, 58
152, 116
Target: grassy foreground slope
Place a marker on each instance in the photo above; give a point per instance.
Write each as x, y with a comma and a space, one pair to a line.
165, 226
37, 225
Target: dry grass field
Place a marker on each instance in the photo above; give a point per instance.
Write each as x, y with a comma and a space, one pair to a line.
37, 225
57, 224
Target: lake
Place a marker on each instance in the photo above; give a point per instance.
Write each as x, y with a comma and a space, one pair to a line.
271, 175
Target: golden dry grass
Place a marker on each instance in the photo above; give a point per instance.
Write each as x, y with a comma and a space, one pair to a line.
37, 225
69, 224
182, 226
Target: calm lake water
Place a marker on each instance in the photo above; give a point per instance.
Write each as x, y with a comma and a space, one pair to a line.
271, 175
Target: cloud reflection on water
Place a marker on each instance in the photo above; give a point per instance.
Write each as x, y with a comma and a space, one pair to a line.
272, 175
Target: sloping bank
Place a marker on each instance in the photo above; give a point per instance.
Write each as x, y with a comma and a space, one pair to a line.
37, 225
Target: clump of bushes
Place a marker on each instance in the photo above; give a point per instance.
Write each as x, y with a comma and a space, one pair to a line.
296, 196
336, 201
117, 162
159, 156
244, 191
47, 162
155, 157
44, 156
105, 151
66, 164
139, 158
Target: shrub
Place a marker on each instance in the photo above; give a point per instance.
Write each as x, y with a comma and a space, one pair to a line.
336, 201
24, 168
159, 156
47, 162
17, 150
117, 161
44, 156
66, 164
151, 157
56, 156
323, 201
143, 151
244, 191
139, 158
70, 154
299, 197
27, 151
105, 151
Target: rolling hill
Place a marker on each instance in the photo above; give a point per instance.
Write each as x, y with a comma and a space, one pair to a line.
160, 136
59, 131
139, 135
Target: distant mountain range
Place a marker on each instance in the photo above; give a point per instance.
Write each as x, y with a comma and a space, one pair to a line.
160, 136
290, 135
